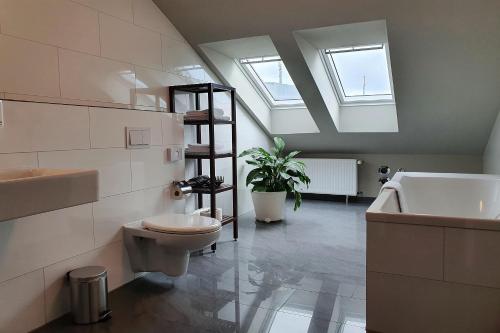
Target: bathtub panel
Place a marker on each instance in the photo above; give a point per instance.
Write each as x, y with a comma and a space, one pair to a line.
405, 249
471, 256
413, 305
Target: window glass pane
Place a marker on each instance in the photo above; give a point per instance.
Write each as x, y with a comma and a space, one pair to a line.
276, 80
362, 71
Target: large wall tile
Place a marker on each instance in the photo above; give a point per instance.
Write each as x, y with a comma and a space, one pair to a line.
28, 68
22, 303
119, 8
173, 130
92, 78
41, 127
471, 256
183, 102
107, 126
36, 241
23, 160
158, 200
127, 42
55, 22
148, 15
405, 249
151, 87
150, 168
113, 166
112, 256
414, 305
181, 59
111, 213
59, 127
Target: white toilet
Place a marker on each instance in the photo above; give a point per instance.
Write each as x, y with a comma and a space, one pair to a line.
162, 243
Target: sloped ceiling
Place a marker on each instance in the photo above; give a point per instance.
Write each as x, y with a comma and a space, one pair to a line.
445, 58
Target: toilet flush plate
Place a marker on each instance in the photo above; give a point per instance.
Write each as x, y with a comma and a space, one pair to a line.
137, 137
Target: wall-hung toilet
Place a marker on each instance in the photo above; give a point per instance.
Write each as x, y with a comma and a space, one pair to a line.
162, 243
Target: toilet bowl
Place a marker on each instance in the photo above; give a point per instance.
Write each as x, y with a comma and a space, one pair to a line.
163, 243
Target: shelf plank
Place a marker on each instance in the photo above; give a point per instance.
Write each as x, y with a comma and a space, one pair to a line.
206, 190
206, 122
226, 219
206, 156
203, 88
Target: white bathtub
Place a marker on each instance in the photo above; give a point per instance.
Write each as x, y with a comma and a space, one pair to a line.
433, 254
446, 199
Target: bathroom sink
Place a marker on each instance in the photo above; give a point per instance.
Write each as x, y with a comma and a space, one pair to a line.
25, 192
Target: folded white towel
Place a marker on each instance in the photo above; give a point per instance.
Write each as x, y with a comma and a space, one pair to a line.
206, 117
207, 151
218, 112
203, 146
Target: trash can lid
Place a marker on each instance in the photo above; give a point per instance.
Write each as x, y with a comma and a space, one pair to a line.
87, 273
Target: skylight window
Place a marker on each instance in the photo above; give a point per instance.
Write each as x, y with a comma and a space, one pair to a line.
272, 78
361, 73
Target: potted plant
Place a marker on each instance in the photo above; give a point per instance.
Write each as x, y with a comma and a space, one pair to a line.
275, 174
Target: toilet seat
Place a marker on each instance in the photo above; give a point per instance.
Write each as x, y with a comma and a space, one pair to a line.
181, 224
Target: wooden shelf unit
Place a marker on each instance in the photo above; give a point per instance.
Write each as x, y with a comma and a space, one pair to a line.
211, 122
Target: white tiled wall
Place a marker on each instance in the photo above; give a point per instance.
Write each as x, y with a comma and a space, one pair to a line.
101, 80
22, 302
74, 74
130, 43
25, 59
87, 52
53, 22
61, 61
133, 184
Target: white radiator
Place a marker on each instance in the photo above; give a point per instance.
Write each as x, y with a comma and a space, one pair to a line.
331, 176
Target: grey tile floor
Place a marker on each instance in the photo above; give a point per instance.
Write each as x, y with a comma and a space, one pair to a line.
304, 274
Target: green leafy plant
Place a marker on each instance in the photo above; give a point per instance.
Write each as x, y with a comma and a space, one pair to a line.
276, 171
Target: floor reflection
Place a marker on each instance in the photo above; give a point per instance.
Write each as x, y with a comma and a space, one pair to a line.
305, 274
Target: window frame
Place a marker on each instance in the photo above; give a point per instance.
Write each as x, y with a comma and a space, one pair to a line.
260, 86
337, 83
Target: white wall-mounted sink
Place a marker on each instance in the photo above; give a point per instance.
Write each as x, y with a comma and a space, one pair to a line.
25, 192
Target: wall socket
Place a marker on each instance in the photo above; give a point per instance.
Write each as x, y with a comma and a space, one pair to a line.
2, 123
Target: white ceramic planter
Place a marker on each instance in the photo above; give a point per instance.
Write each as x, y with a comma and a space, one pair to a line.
269, 206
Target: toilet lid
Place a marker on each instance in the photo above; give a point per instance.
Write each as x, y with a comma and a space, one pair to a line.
181, 224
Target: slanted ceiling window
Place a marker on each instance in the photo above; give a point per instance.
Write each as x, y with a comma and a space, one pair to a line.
360, 74
271, 77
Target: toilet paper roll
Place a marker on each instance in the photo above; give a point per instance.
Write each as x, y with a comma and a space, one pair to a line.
181, 190
206, 212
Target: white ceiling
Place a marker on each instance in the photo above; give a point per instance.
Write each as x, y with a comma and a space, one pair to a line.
445, 59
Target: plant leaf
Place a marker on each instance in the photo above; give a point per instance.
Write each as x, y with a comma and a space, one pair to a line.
252, 175
279, 143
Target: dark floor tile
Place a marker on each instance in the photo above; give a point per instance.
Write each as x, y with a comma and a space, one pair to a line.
304, 274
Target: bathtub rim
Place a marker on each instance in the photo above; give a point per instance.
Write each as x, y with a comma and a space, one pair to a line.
375, 214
